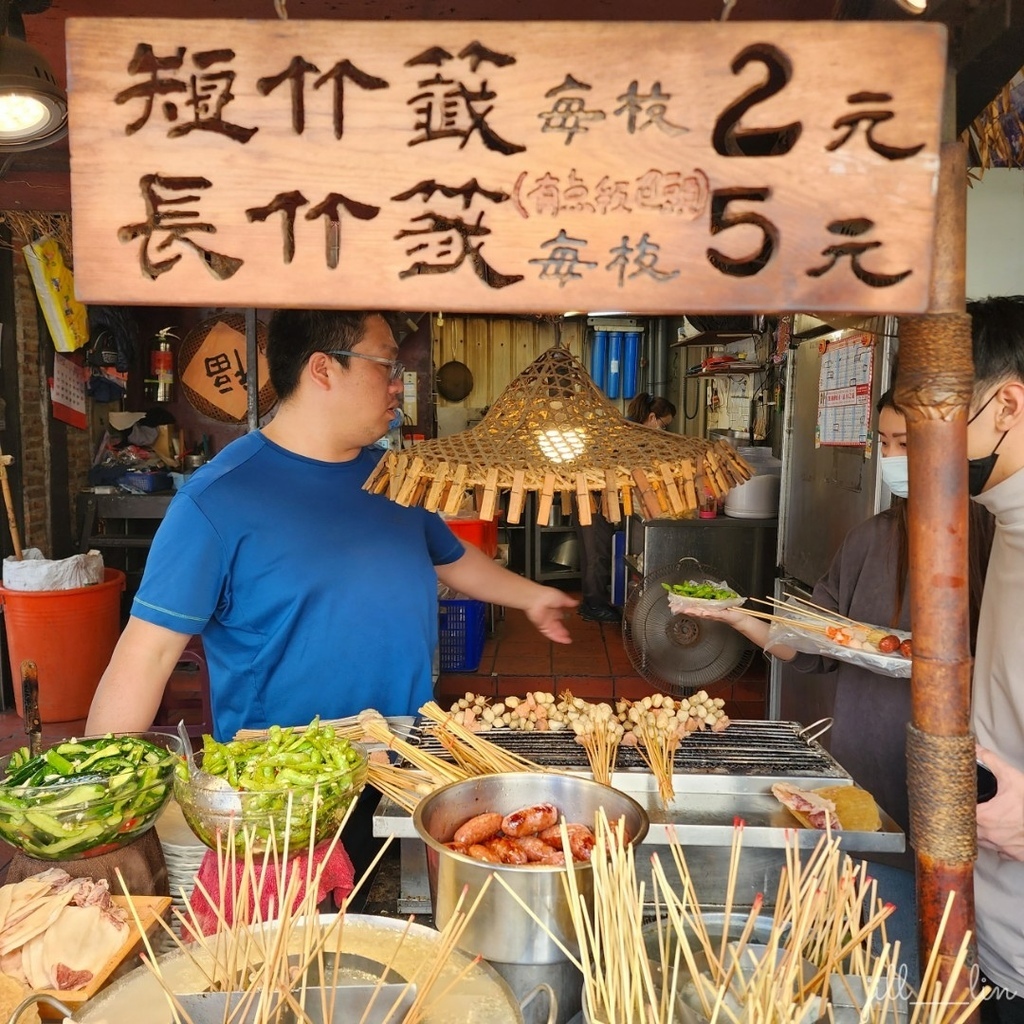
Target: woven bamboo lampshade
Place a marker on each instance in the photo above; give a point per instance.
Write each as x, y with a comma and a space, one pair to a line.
552, 431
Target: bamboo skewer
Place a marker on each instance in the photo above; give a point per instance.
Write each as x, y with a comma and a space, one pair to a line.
477, 755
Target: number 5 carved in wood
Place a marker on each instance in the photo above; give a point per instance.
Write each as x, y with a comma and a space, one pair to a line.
722, 219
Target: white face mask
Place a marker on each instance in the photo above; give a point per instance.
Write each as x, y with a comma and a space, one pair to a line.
894, 475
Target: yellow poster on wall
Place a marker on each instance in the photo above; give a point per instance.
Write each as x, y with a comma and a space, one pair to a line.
54, 282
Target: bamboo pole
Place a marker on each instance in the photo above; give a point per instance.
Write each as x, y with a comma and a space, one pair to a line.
934, 390
12, 520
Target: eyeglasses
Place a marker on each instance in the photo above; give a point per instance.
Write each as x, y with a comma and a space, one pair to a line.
395, 368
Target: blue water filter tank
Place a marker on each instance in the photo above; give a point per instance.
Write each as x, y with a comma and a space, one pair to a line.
631, 364
599, 358
614, 364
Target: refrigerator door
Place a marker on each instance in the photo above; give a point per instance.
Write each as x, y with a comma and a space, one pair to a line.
805, 697
826, 491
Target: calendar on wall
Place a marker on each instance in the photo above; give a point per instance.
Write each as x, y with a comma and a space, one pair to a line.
844, 392
67, 391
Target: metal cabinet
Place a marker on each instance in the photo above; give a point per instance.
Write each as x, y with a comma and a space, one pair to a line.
548, 553
741, 550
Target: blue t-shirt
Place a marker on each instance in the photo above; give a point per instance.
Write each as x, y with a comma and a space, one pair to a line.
313, 596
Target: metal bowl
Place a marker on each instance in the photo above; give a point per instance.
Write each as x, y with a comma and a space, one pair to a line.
211, 807
94, 813
500, 929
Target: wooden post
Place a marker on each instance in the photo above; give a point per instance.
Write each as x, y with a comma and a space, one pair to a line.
12, 519
934, 388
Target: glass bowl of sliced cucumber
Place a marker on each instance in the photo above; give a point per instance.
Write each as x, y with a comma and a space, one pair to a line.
83, 797
292, 786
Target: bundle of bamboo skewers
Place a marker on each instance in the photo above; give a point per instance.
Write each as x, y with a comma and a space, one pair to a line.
264, 959
825, 939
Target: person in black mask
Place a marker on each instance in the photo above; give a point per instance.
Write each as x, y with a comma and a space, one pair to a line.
995, 449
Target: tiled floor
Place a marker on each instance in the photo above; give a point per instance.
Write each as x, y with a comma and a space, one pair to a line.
516, 660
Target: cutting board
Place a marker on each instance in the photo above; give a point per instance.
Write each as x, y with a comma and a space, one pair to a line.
149, 908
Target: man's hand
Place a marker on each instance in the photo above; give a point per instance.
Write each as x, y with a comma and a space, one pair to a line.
1001, 819
547, 613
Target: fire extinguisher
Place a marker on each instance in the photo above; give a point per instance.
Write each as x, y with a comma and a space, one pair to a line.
160, 379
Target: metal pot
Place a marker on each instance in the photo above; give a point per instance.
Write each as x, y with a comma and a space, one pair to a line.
500, 928
480, 997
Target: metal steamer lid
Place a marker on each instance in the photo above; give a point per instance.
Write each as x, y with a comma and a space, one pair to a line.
677, 653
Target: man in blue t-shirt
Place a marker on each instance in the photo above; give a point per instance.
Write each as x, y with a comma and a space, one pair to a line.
312, 595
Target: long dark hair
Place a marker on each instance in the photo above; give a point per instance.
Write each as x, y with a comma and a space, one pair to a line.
645, 404
980, 528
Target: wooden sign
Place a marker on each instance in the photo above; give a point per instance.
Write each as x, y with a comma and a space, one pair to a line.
512, 166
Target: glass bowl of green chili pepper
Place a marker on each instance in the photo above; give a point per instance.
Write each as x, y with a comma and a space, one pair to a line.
83, 797
294, 785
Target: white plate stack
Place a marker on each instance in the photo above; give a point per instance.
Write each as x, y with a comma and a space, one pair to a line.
183, 852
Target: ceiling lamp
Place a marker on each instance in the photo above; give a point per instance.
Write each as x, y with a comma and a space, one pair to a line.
33, 106
553, 432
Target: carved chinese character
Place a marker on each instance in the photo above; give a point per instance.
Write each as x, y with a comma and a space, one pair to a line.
574, 195
209, 92
288, 204
855, 226
644, 257
218, 368
295, 75
872, 118
653, 106
610, 196
445, 242
563, 259
546, 194
673, 192
145, 61
330, 209
568, 113
447, 108
165, 214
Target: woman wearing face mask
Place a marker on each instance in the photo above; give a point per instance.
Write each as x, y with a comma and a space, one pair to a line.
867, 581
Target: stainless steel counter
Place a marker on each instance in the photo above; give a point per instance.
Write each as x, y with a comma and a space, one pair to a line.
719, 777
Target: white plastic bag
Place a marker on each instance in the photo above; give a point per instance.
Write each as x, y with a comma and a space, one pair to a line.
680, 604
35, 572
812, 642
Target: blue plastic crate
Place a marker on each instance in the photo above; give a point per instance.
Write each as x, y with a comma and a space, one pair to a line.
460, 635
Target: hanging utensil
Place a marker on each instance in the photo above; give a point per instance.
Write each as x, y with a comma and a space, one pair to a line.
30, 706
454, 379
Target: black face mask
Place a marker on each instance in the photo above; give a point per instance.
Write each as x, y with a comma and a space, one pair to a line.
979, 470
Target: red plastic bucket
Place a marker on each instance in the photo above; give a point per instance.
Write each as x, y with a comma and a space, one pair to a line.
70, 635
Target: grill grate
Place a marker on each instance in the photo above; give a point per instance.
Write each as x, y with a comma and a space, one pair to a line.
745, 748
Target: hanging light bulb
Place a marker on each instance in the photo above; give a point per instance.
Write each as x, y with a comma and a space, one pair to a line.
33, 107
